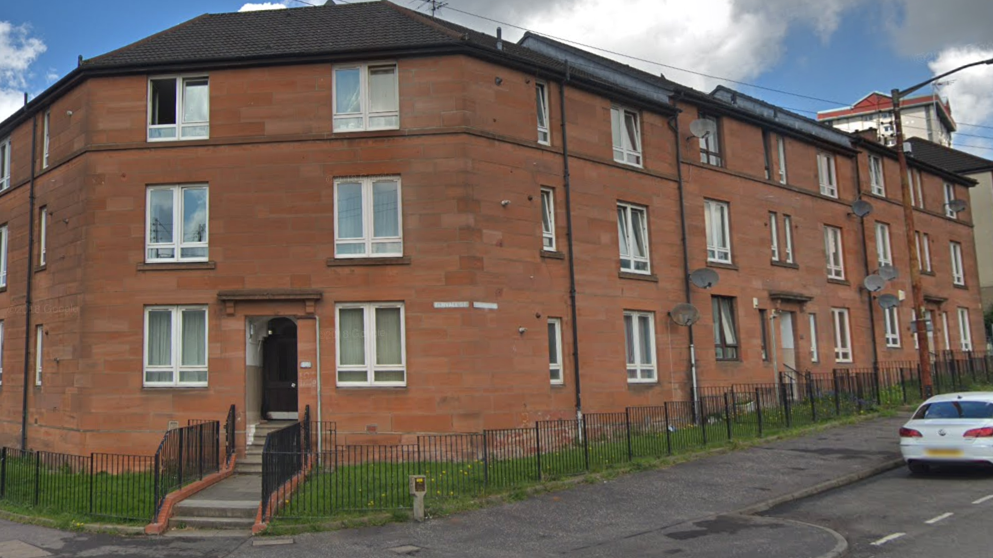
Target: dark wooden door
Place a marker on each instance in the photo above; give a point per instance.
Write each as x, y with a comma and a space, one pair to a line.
279, 367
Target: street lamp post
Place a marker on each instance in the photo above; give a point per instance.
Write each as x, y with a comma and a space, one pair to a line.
923, 351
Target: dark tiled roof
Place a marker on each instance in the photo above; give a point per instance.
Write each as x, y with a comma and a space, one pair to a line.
325, 29
947, 158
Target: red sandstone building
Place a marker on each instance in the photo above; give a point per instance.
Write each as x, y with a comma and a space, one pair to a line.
385, 217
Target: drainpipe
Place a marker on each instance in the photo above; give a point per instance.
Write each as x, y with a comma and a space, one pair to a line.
865, 263
30, 274
572, 259
674, 126
320, 437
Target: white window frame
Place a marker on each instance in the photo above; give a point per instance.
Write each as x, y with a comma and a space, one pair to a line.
916, 193
39, 344
5, 164
364, 111
548, 214
180, 124
177, 348
3, 255
774, 233
876, 176
47, 135
627, 156
827, 174
555, 366
541, 102
814, 354
842, 339
630, 209
370, 367
958, 269
923, 257
884, 247
368, 184
949, 198
717, 218
834, 245
177, 244
781, 147
788, 236
635, 316
891, 327
43, 235
965, 330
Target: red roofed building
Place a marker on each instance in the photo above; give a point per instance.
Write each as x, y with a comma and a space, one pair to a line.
926, 116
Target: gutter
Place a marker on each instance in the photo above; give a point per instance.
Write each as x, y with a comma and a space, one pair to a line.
865, 263
566, 184
30, 275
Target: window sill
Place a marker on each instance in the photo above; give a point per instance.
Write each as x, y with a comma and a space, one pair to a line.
727, 360
552, 255
176, 266
348, 262
369, 388
845, 282
643, 384
722, 265
557, 385
638, 276
178, 388
787, 265
963, 287
928, 273
3, 289
42, 267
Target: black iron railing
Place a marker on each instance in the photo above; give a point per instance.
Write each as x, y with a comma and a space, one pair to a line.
329, 477
229, 435
186, 455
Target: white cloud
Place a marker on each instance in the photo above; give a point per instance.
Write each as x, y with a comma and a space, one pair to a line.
252, 7
968, 92
18, 51
737, 39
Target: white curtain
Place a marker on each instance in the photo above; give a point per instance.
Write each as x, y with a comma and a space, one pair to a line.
388, 339
540, 104
351, 336
727, 320
645, 332
546, 212
194, 341
346, 84
615, 128
159, 338
383, 89
638, 226
385, 209
196, 98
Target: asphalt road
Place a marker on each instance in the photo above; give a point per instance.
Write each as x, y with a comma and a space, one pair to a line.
944, 514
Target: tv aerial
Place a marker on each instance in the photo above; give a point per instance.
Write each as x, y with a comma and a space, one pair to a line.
957, 206
703, 127
861, 208
888, 272
704, 278
887, 301
684, 314
874, 283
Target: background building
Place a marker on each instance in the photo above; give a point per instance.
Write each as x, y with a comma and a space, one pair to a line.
924, 116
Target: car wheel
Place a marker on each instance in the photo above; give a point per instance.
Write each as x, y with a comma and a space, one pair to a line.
918, 468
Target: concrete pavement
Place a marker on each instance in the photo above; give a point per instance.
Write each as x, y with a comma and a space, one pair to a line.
685, 510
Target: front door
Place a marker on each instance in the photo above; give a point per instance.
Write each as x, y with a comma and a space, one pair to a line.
279, 370
788, 342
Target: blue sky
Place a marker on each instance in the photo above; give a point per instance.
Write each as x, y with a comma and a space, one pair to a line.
833, 50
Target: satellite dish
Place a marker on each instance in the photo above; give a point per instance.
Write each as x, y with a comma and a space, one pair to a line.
958, 206
888, 272
703, 127
704, 278
861, 208
888, 301
684, 314
874, 283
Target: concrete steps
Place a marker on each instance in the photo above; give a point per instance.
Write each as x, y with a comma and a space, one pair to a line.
229, 506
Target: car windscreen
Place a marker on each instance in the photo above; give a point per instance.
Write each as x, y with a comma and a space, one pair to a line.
956, 410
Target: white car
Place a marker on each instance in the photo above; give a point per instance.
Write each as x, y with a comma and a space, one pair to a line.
952, 428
